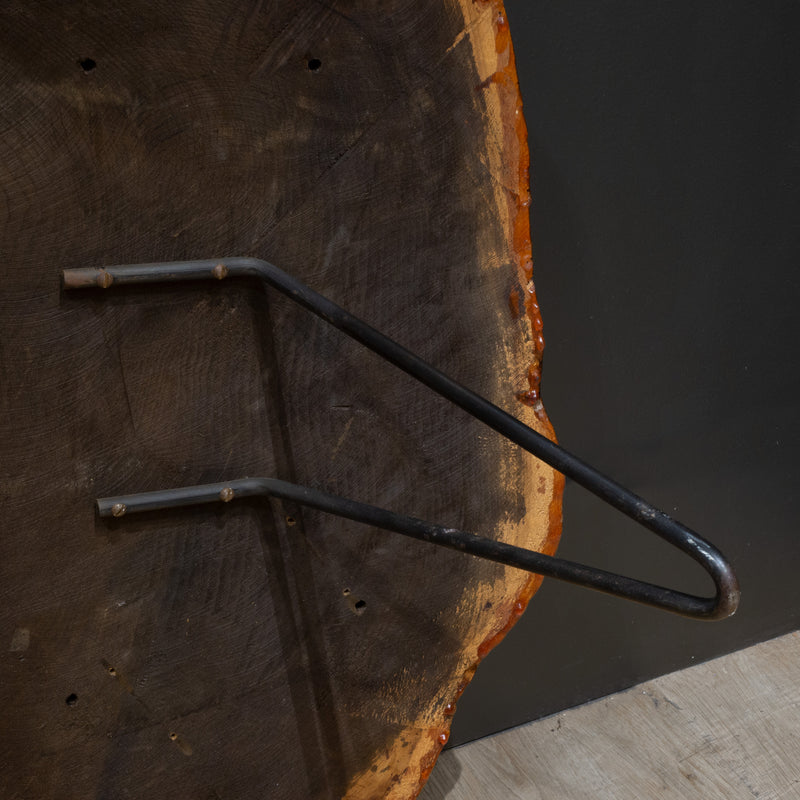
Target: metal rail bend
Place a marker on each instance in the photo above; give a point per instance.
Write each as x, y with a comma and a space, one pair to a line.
724, 602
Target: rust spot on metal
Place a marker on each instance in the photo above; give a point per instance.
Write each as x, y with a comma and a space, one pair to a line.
104, 279
226, 495
220, 272
118, 509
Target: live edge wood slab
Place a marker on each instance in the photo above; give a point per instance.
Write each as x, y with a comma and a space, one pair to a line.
377, 151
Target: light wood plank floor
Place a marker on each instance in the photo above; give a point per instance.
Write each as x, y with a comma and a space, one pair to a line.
723, 730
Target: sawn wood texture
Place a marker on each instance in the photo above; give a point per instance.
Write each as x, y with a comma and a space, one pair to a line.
376, 150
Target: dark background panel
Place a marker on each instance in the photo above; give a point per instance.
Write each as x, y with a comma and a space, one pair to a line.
665, 152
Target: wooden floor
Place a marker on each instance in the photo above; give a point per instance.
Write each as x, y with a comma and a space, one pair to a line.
723, 730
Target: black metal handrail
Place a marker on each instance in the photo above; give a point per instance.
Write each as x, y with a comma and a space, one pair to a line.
721, 605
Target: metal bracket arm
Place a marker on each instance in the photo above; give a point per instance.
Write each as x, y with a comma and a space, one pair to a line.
722, 605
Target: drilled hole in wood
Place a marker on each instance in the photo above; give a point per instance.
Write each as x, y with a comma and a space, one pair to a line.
345, 592
173, 736
87, 64
291, 521
111, 671
72, 699
360, 606
314, 64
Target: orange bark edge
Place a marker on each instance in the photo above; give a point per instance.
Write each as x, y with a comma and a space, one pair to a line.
515, 134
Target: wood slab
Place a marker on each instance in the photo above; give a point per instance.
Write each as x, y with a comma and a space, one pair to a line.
376, 151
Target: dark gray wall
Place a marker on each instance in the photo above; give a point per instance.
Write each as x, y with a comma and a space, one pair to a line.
664, 142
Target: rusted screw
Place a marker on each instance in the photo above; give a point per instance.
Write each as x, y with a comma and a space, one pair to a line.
226, 495
118, 509
104, 279
219, 272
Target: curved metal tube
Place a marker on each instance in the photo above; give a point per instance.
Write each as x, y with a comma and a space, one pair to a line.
722, 605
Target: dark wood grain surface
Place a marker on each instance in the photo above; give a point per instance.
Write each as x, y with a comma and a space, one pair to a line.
373, 150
